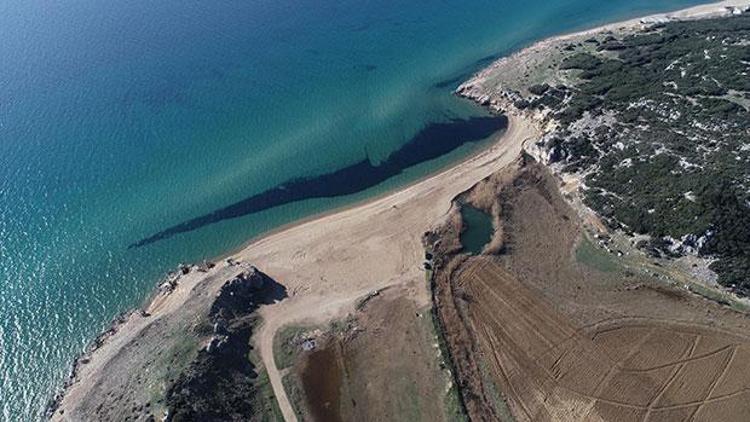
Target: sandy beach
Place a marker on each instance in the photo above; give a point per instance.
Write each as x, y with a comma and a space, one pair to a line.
327, 263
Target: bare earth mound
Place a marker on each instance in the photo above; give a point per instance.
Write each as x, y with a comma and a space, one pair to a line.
565, 341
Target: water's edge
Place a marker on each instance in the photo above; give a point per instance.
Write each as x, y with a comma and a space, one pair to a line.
97, 341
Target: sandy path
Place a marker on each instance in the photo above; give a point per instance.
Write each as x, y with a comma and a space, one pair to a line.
326, 264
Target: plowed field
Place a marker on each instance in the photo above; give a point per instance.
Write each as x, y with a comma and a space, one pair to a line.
617, 370
561, 330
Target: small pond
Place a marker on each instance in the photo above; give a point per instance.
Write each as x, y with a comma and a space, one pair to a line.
477, 231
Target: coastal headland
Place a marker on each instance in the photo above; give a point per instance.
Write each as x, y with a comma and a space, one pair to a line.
324, 265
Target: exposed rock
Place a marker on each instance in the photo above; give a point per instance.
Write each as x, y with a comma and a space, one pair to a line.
220, 327
216, 343
220, 383
237, 296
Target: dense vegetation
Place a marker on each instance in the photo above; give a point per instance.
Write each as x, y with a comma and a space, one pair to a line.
658, 125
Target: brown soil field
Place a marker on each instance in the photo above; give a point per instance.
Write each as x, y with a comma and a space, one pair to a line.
565, 341
321, 381
383, 364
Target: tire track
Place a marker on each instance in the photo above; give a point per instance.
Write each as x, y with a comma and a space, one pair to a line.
688, 353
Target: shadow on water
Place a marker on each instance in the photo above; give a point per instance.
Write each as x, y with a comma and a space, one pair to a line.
431, 142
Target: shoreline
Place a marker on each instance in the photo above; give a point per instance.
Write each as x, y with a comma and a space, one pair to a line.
328, 263
701, 11
90, 364
356, 204
490, 142
156, 293
713, 9
305, 295
485, 87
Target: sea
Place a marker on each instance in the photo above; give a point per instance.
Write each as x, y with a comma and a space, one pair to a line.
135, 135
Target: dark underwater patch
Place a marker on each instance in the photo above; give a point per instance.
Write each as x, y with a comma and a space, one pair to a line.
431, 142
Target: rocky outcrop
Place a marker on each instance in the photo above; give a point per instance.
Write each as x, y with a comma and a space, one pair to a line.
239, 295
186, 356
221, 382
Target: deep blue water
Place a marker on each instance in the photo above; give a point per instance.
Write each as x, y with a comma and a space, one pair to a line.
121, 120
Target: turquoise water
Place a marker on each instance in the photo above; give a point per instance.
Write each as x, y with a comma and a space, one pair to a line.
121, 119
477, 230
